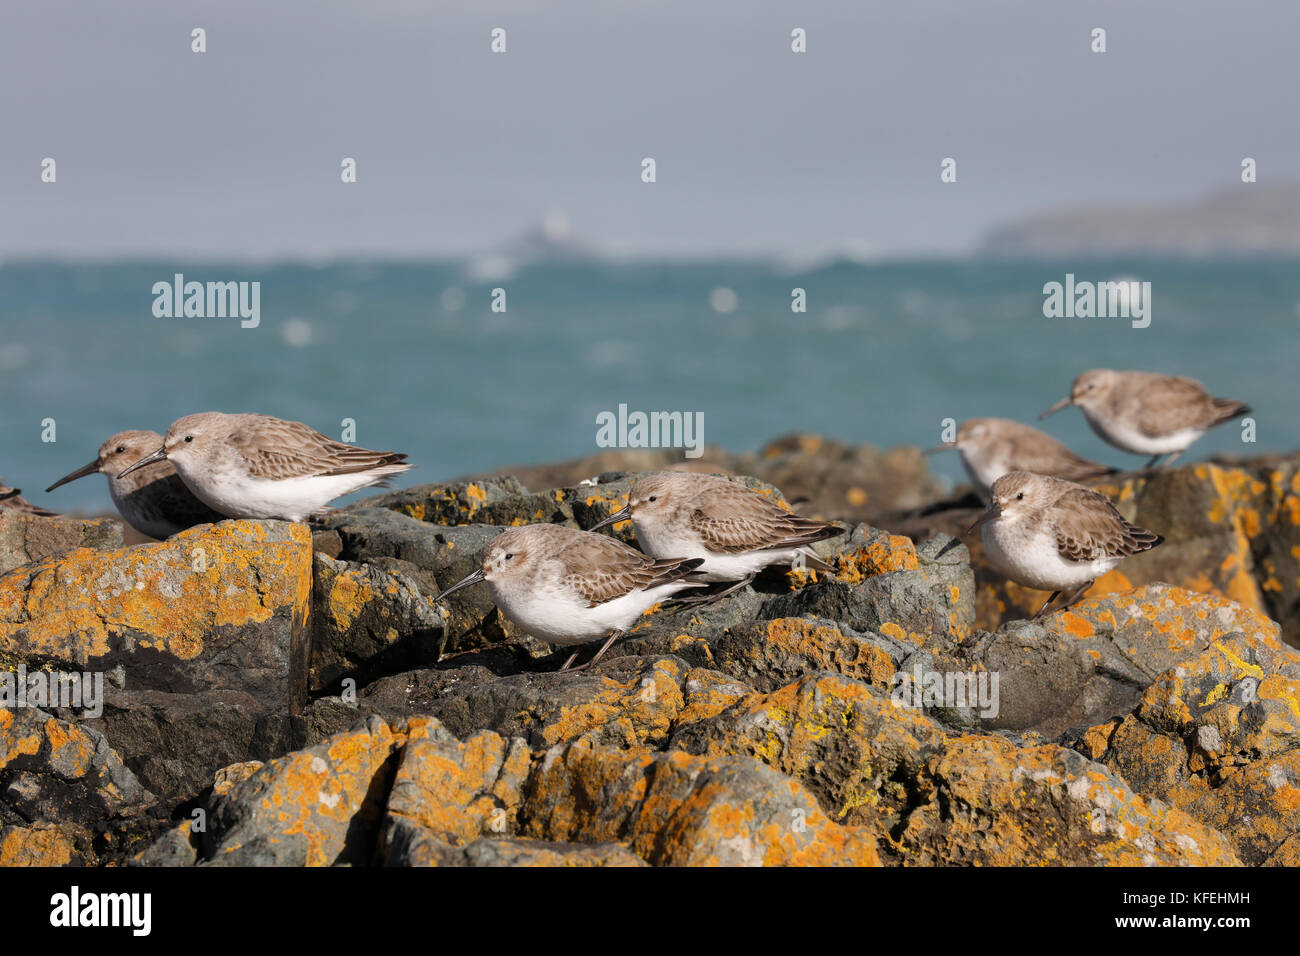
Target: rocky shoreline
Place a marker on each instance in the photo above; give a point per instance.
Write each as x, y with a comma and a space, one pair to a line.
285, 694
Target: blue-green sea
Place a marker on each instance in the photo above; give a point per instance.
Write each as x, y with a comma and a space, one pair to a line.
415, 354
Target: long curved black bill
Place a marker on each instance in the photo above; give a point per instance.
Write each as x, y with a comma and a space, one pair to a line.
474, 577
623, 514
159, 455
82, 472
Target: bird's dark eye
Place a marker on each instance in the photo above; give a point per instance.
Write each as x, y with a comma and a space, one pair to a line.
121, 448
509, 556
1020, 497
189, 438
653, 498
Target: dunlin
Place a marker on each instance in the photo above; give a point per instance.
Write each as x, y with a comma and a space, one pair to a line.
1147, 413
991, 447
12, 499
570, 587
1054, 535
737, 531
153, 500
256, 466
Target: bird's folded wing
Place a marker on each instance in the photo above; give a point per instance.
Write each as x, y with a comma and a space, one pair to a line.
613, 569
1088, 528
749, 522
1171, 403
281, 450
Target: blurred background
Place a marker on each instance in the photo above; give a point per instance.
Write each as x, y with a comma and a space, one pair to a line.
522, 171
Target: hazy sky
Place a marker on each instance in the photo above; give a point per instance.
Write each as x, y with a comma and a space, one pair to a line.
236, 152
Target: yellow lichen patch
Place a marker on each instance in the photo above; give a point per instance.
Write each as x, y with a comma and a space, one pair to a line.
35, 846
349, 593
69, 746
1096, 739
458, 790
1077, 626
822, 647
14, 744
634, 712
708, 693
227, 777
882, 555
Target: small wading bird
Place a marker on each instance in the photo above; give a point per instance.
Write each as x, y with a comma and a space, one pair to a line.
570, 587
736, 531
991, 447
256, 466
11, 498
153, 500
1146, 413
1054, 535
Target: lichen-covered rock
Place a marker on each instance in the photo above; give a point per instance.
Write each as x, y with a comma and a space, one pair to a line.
367, 621
1084, 665
772, 654
1218, 736
217, 606
982, 800
441, 555
174, 743
316, 807
937, 798
1144, 631
494, 501
678, 810
1046, 682
25, 538
41, 845
54, 771
629, 702
845, 741
932, 604
453, 792
410, 793
516, 851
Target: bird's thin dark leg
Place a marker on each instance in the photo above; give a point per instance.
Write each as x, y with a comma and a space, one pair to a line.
1053, 597
1076, 594
1152, 463
572, 657
1170, 460
603, 648
695, 601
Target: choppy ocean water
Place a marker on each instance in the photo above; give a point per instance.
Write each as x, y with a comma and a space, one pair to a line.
415, 355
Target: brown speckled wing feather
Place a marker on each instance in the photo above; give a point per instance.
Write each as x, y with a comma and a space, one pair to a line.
293, 450
1088, 527
1170, 403
603, 569
741, 520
